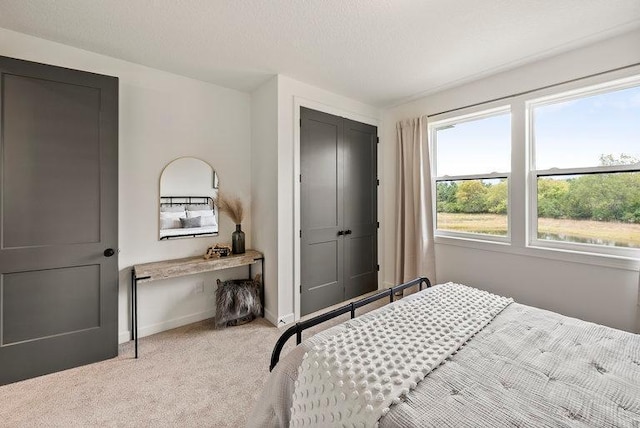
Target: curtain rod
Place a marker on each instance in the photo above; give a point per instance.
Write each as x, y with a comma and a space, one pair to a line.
506, 97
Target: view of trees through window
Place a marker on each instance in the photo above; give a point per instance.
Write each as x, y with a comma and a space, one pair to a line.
475, 206
590, 208
583, 172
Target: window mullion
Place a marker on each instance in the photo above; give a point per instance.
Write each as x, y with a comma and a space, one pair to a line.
488, 176
517, 182
588, 170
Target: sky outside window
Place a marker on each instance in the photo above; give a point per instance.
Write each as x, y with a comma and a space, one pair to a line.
574, 134
476, 147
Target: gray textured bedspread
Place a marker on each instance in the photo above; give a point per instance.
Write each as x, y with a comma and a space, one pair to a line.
527, 368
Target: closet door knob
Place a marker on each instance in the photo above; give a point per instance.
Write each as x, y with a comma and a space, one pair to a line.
347, 232
109, 252
340, 232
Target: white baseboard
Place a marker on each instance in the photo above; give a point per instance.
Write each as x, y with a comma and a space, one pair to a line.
286, 319
270, 317
278, 322
125, 336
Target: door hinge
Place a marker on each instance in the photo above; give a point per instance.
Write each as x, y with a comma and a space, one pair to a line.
301, 233
377, 140
377, 182
300, 288
300, 178
377, 225
378, 268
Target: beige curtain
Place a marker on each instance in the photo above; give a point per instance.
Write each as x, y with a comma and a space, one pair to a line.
415, 254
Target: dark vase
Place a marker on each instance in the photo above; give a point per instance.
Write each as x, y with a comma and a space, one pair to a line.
237, 240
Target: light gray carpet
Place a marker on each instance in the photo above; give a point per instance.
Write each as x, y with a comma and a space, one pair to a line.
192, 376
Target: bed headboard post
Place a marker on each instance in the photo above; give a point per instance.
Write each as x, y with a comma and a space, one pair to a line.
298, 334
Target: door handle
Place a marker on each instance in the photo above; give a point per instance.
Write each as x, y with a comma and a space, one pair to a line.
348, 232
109, 252
340, 232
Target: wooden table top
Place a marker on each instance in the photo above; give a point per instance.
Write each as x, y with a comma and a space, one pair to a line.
164, 269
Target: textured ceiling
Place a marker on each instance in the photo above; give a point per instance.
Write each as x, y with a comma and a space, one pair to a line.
377, 51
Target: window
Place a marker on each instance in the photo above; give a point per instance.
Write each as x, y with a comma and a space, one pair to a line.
471, 167
552, 169
585, 168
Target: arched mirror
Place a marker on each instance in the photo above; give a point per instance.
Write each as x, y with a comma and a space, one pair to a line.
188, 188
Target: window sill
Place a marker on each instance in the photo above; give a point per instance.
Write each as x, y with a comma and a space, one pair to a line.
605, 260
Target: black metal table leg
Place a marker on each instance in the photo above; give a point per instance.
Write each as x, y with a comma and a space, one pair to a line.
135, 314
262, 286
134, 308
133, 278
262, 289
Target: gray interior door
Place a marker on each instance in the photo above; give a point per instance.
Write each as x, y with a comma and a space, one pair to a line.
338, 210
321, 210
58, 218
360, 209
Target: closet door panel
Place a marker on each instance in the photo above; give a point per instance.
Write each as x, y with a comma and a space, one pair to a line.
360, 209
321, 211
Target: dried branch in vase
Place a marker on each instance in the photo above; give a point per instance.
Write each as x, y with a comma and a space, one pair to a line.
231, 206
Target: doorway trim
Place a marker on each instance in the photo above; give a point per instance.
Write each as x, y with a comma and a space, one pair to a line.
315, 105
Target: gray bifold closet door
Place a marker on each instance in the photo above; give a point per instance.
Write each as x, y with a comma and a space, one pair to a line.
58, 218
338, 210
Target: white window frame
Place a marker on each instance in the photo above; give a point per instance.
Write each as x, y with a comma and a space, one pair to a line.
533, 173
468, 115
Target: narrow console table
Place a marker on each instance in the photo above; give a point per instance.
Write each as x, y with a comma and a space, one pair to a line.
165, 269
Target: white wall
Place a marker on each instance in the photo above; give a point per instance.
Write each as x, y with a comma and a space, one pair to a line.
590, 288
162, 117
264, 186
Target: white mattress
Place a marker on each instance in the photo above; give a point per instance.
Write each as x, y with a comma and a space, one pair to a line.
528, 367
188, 231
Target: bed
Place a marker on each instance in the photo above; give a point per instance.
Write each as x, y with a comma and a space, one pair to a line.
187, 216
492, 362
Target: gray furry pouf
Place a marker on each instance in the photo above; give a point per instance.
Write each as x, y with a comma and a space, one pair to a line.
237, 301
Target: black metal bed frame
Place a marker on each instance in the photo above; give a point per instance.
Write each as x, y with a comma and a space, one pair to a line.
351, 307
187, 200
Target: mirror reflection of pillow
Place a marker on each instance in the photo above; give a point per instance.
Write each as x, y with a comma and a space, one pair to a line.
170, 220
172, 208
198, 207
187, 222
208, 219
